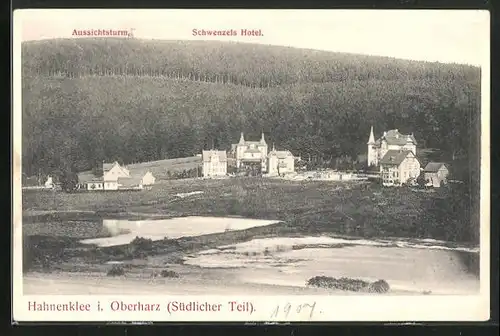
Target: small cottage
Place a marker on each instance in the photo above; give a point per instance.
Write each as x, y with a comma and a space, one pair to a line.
148, 179
435, 174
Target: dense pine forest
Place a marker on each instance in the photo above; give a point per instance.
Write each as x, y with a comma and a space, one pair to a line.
88, 100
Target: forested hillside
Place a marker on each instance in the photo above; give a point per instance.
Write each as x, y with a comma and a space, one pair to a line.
88, 100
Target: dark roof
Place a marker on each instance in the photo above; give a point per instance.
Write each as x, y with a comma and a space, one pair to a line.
393, 137
394, 157
207, 154
433, 167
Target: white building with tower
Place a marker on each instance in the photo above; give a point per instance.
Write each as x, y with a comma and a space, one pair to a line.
390, 140
250, 153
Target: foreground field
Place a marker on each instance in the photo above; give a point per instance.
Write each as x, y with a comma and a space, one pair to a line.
54, 225
355, 209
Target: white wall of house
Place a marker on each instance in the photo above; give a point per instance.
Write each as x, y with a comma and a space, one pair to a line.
409, 169
273, 165
279, 165
214, 167
390, 174
95, 185
148, 179
49, 183
399, 174
110, 185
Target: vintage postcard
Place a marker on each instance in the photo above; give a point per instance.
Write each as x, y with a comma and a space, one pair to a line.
251, 165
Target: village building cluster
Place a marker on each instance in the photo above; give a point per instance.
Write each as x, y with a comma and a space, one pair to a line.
393, 155
115, 177
396, 156
251, 157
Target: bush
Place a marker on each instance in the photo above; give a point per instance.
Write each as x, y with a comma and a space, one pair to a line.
169, 274
380, 286
142, 243
347, 284
116, 270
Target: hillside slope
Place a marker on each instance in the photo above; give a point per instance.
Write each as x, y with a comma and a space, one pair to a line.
87, 100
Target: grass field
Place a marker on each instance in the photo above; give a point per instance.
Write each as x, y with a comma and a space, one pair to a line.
160, 169
53, 222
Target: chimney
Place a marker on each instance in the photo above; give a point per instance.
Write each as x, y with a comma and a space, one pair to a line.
385, 133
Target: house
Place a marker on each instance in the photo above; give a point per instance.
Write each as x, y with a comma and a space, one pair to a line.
435, 173
49, 184
114, 177
250, 154
148, 179
280, 162
214, 163
390, 140
399, 166
113, 171
130, 183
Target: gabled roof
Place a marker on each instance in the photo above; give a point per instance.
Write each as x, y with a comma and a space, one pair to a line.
247, 143
207, 155
252, 150
107, 166
433, 167
395, 157
281, 154
88, 176
130, 181
393, 137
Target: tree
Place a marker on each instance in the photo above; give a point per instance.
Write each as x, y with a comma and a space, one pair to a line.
69, 181
421, 181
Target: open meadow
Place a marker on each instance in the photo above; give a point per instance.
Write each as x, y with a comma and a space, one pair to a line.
56, 225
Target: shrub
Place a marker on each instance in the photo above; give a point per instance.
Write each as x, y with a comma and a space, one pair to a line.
116, 270
142, 243
380, 286
347, 284
169, 274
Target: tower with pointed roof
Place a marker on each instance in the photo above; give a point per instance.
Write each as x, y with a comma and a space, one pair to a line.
372, 156
250, 152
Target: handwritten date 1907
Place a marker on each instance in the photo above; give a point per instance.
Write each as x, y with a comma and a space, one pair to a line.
287, 309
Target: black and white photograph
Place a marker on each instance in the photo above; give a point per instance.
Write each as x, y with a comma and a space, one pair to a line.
251, 165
